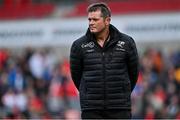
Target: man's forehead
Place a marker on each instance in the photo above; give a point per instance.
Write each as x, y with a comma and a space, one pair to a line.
94, 14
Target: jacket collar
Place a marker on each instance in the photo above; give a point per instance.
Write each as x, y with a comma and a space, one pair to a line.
114, 34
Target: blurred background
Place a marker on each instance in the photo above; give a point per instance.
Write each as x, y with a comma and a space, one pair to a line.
35, 40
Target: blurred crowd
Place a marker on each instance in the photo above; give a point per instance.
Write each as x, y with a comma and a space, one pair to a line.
156, 95
35, 83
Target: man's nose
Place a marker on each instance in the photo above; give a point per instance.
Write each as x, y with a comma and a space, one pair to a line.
91, 22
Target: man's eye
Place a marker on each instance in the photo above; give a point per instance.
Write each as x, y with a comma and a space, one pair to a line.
92, 19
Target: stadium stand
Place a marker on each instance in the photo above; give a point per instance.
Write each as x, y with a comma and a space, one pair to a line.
131, 7
20, 9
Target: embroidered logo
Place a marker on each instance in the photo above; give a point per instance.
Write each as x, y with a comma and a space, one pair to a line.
120, 49
90, 44
121, 44
91, 50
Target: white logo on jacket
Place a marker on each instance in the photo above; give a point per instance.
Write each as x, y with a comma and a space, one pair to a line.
121, 44
90, 44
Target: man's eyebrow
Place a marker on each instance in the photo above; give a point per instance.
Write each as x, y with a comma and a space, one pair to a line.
93, 18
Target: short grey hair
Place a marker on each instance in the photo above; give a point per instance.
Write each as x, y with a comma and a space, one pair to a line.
103, 7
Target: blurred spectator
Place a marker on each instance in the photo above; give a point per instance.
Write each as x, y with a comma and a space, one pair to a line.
37, 64
3, 58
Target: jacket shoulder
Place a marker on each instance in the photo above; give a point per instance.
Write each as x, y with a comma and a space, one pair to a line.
79, 41
127, 38
76, 45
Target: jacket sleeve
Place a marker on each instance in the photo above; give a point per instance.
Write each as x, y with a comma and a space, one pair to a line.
133, 63
76, 64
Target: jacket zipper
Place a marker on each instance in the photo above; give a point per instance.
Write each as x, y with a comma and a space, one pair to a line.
104, 72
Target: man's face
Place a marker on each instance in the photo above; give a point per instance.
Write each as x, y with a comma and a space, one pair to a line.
96, 22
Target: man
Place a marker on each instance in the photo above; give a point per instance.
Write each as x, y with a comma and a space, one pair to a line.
104, 67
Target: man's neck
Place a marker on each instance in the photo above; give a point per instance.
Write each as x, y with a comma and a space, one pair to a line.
102, 37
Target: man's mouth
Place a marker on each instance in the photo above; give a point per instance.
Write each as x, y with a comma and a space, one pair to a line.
92, 27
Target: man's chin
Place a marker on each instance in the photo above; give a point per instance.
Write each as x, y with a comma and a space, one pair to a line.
94, 32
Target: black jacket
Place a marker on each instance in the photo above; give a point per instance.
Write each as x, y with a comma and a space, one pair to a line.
104, 76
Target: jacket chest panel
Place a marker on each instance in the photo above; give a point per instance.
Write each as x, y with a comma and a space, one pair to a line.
118, 56
108, 57
94, 55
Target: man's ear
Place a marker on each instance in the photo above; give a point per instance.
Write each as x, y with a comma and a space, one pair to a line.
107, 20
